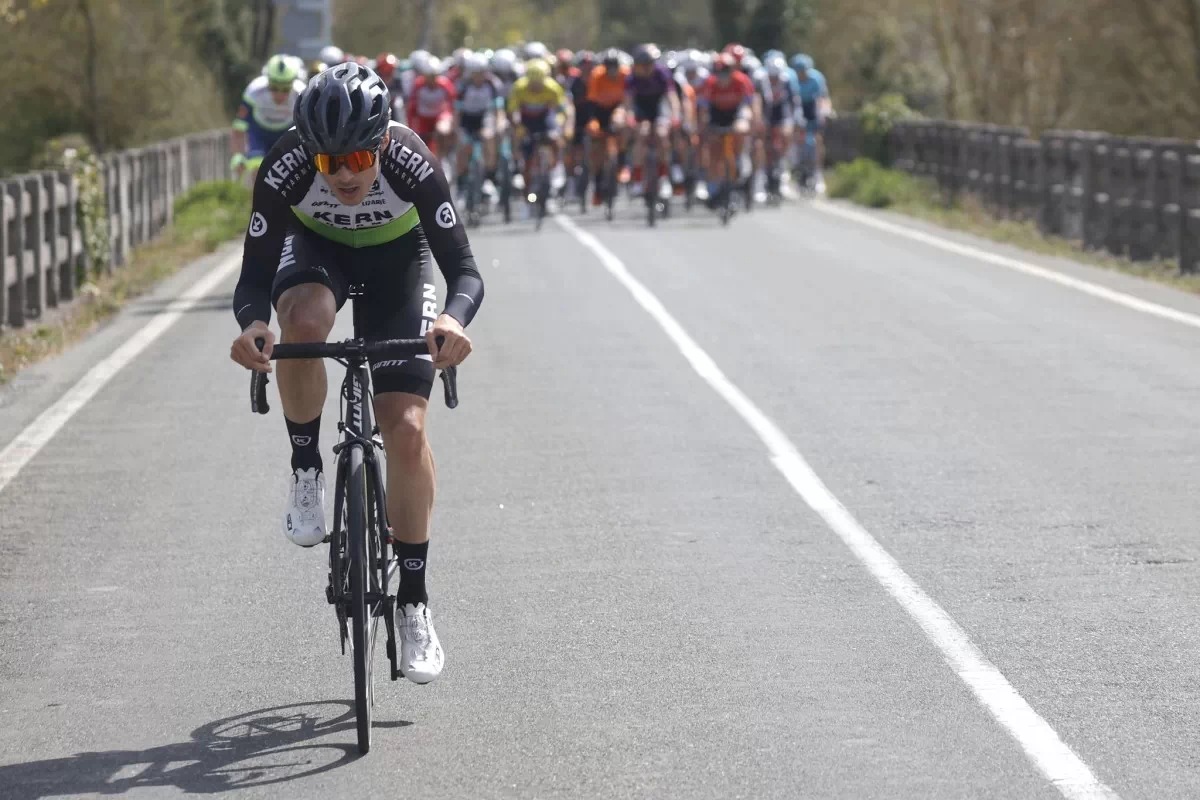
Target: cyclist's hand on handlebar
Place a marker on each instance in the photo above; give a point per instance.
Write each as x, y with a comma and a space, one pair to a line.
456, 345
245, 352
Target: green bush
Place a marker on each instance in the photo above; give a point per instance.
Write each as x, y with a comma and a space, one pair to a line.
212, 212
869, 184
877, 118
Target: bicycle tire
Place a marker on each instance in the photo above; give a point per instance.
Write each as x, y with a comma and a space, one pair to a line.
362, 618
650, 165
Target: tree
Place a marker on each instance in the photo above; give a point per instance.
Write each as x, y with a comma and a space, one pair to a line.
778, 24
727, 20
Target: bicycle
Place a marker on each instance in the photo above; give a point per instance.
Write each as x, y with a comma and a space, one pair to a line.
606, 180
475, 182
655, 204
723, 202
804, 171
539, 176
362, 566
776, 151
504, 176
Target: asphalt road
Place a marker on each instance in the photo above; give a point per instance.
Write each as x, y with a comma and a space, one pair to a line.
633, 601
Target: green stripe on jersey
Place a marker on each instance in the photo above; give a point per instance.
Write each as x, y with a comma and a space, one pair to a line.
362, 237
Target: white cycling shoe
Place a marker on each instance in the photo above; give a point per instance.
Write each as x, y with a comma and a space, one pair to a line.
304, 515
421, 656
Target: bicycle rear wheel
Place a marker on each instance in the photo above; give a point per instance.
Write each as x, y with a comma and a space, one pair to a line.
363, 622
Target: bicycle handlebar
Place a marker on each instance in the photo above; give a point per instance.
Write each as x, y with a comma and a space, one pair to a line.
395, 348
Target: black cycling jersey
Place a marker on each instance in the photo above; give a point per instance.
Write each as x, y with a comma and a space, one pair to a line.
411, 199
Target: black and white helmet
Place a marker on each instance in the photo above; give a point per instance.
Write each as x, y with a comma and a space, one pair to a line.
343, 109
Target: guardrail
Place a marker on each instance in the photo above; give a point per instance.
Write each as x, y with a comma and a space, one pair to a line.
1134, 197
42, 257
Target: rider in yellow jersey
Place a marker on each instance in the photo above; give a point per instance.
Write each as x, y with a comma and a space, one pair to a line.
538, 105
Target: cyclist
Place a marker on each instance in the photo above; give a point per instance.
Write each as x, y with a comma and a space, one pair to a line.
478, 115
683, 125
331, 55
431, 106
264, 115
565, 70
725, 107
349, 197
577, 87
536, 103
654, 106
387, 68
815, 106
506, 68
779, 112
606, 92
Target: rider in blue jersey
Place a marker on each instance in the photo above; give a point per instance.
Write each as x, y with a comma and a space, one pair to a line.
814, 107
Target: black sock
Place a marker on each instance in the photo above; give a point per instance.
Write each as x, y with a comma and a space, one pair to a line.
412, 573
306, 450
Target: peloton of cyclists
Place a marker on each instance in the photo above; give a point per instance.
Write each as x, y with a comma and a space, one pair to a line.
677, 105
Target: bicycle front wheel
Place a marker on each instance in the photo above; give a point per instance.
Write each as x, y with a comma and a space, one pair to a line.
362, 617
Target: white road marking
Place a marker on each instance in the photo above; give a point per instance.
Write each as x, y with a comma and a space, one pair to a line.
1064, 769
35, 436
1087, 287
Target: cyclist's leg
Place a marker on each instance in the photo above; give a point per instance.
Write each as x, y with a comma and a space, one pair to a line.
307, 292
468, 129
401, 297
402, 303
488, 134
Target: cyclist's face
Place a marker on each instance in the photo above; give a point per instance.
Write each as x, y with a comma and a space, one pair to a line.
477, 77
351, 188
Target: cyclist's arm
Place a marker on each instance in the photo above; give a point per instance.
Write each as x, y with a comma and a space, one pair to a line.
458, 104
241, 124
260, 253
566, 111
447, 242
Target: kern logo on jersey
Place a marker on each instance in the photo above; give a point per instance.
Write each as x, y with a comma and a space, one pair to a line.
445, 215
412, 162
284, 166
258, 225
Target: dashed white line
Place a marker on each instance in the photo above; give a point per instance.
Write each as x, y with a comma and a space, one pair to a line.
1078, 284
1053, 757
34, 437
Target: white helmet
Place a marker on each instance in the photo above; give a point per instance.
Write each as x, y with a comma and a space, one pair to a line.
776, 66
419, 59
474, 62
332, 55
535, 50
504, 61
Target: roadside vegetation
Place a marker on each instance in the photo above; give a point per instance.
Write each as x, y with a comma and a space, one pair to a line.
868, 184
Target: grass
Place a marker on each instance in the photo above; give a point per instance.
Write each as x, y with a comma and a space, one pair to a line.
206, 216
869, 184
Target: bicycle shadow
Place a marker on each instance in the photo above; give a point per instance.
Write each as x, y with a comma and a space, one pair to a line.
258, 748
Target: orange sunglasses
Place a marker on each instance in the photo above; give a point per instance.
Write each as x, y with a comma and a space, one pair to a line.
358, 161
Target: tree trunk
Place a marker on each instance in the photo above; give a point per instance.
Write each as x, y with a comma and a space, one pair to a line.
90, 60
428, 24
